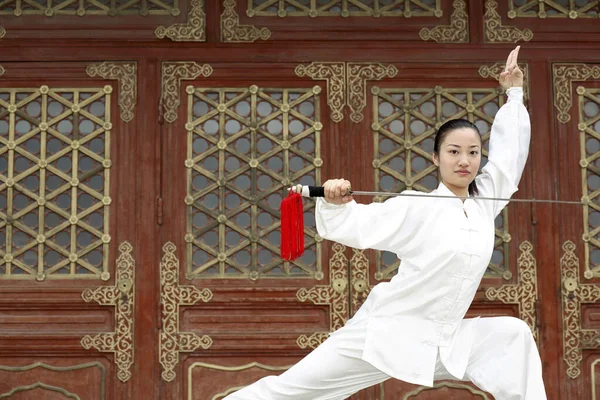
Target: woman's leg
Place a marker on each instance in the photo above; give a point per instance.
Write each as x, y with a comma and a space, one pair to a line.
504, 360
324, 374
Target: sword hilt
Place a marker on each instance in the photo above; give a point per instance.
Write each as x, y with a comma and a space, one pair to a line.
314, 191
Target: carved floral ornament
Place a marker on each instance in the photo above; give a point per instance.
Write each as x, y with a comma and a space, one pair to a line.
193, 30
173, 295
574, 294
456, 32
126, 74
122, 297
173, 72
564, 75
346, 84
335, 295
496, 32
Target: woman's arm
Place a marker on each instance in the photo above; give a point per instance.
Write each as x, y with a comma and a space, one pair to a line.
376, 226
509, 141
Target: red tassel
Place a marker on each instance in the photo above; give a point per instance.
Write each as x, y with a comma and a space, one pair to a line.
292, 227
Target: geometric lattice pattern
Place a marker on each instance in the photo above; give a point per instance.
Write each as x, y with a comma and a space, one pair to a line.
54, 183
89, 7
245, 147
344, 8
554, 8
406, 121
589, 128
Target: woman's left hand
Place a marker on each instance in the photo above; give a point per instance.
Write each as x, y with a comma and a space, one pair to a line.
512, 75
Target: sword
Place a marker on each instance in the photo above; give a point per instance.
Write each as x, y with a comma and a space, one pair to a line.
319, 191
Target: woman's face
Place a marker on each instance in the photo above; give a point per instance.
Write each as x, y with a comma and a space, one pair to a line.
459, 158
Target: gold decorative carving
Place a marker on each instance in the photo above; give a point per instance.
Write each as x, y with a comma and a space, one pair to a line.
192, 31
126, 74
2, 32
493, 71
456, 32
42, 385
173, 72
552, 8
451, 385
233, 32
230, 390
335, 296
172, 341
335, 75
563, 76
589, 132
346, 84
255, 256
37, 203
574, 293
525, 293
357, 75
359, 279
345, 9
51, 8
58, 369
2, 70
122, 296
495, 32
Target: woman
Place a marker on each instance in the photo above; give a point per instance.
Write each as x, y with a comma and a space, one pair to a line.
412, 328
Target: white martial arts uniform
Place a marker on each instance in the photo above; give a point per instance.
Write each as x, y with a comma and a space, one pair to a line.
412, 328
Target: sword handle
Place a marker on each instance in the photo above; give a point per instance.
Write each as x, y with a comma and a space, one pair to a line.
312, 191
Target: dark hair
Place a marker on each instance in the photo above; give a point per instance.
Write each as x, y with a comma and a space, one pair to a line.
444, 130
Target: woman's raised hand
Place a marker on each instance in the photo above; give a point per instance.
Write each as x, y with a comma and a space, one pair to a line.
336, 191
512, 75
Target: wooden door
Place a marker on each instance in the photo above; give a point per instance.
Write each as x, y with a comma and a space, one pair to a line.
242, 134
67, 273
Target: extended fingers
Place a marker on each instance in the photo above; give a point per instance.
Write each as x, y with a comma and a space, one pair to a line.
512, 61
516, 55
508, 61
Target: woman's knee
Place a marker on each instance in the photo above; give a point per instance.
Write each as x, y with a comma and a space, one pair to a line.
516, 327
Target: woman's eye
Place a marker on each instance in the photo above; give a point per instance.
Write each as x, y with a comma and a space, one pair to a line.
474, 152
454, 151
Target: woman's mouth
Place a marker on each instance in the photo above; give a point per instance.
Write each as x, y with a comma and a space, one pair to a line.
463, 172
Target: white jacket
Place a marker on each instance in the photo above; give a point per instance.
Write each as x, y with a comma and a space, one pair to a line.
405, 323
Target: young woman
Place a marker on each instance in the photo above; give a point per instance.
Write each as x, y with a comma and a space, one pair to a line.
412, 328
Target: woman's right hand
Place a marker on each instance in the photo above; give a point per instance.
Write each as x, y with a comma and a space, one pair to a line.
336, 191
512, 75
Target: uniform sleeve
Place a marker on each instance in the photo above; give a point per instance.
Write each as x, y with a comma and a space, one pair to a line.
379, 226
508, 151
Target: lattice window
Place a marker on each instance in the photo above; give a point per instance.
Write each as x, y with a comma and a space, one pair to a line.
245, 146
344, 8
406, 122
554, 8
54, 183
589, 128
89, 7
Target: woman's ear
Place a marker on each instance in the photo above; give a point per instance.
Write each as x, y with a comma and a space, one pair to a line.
436, 161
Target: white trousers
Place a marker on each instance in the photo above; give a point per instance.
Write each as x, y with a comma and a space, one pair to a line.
504, 361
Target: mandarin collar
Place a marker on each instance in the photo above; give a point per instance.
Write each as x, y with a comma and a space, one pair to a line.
443, 190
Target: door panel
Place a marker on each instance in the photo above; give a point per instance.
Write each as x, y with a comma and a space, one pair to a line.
67, 269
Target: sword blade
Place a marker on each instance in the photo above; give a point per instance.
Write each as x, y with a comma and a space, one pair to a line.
390, 194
